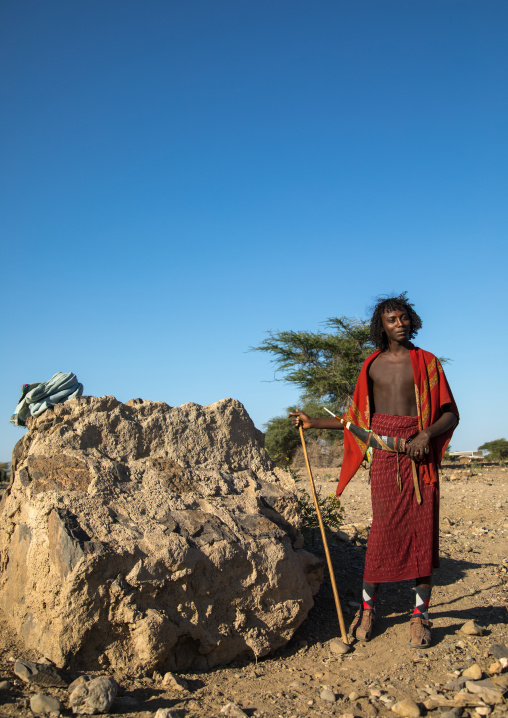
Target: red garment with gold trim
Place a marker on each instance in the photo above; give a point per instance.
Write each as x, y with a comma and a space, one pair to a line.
432, 393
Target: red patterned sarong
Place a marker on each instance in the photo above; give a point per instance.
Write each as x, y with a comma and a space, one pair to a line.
404, 537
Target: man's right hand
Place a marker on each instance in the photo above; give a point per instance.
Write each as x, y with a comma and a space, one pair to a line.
299, 418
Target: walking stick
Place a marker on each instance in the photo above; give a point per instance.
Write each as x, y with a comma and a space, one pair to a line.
325, 543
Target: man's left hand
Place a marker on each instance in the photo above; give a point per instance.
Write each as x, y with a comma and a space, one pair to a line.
415, 449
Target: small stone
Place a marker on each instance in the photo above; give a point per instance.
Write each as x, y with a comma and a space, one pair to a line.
483, 710
496, 667
233, 711
338, 647
487, 691
456, 684
498, 650
470, 628
79, 682
353, 696
342, 536
43, 705
328, 696
407, 708
40, 674
347, 715
174, 682
375, 693
474, 672
168, 713
4, 685
95, 696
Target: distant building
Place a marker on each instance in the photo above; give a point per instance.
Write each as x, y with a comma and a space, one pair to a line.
466, 457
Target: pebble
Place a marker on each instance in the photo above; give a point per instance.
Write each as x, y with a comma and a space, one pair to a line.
353, 696
297, 685
40, 674
79, 682
470, 628
168, 713
328, 696
338, 647
498, 650
496, 667
487, 691
95, 696
347, 715
233, 711
474, 672
407, 708
4, 685
483, 710
456, 684
174, 682
42, 705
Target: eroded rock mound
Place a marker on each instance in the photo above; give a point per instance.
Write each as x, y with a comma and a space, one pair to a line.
140, 536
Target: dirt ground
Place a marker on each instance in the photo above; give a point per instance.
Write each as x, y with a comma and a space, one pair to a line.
471, 584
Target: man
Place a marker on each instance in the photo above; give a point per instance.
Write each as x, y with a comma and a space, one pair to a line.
401, 391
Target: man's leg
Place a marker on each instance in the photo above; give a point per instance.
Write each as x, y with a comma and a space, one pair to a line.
363, 622
419, 626
423, 589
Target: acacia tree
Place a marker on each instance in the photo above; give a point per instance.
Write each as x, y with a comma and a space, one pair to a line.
324, 365
498, 449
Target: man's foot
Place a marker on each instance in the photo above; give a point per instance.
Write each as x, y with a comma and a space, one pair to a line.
362, 625
419, 632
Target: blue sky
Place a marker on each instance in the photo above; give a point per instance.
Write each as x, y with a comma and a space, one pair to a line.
180, 177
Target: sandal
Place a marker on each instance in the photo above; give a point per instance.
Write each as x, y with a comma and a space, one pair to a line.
362, 625
419, 632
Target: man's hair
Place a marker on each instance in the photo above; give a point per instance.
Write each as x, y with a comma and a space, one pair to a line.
389, 304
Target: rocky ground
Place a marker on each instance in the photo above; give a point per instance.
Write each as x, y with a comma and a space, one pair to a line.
307, 678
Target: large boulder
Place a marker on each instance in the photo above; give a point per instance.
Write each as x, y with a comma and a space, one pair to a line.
141, 536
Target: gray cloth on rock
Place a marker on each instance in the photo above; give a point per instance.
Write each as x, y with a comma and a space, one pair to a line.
38, 397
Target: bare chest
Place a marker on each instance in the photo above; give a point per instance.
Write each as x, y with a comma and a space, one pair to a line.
393, 385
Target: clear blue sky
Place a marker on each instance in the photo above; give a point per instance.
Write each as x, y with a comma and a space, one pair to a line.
177, 178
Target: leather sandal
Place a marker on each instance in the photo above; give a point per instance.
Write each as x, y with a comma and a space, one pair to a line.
362, 625
419, 632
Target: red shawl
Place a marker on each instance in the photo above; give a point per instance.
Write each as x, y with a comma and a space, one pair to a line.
432, 393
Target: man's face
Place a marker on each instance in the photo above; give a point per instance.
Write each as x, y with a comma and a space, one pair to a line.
397, 324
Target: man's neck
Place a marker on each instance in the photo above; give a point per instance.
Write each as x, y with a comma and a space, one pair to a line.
398, 348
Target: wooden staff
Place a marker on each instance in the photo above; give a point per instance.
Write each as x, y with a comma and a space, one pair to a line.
325, 543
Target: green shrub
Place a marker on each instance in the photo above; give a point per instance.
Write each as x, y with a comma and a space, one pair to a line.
331, 510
